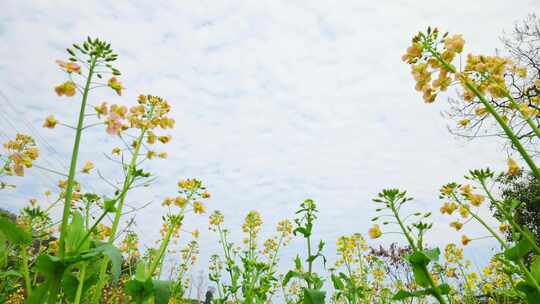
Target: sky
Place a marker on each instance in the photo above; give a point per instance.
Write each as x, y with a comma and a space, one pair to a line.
274, 102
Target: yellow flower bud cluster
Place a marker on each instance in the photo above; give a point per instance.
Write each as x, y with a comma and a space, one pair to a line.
423, 64
285, 229
453, 254
487, 73
215, 220
21, 152
349, 249
189, 254
130, 245
252, 223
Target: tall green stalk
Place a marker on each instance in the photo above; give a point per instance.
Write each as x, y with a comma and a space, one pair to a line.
82, 275
74, 156
55, 285
127, 183
436, 292
25, 269
159, 258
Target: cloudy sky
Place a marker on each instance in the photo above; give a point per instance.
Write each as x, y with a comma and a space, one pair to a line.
275, 102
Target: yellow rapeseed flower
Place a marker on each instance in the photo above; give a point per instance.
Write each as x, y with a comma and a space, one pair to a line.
116, 85
216, 218
88, 166
464, 122
480, 111
465, 240
448, 208
464, 212
50, 122
456, 225
454, 43
69, 67
180, 201
476, 199
513, 167
167, 201
375, 231
199, 208
67, 88
164, 139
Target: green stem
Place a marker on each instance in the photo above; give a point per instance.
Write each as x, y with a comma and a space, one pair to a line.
25, 269
228, 259
127, 183
528, 274
530, 122
54, 291
81, 284
274, 256
310, 262
73, 164
507, 130
161, 251
436, 291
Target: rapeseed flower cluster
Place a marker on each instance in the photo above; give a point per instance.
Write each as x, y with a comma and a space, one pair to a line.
21, 153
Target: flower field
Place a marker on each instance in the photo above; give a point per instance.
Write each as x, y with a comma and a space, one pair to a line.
86, 256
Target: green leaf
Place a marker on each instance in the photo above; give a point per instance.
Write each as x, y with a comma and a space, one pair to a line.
3, 251
140, 272
109, 205
298, 262
530, 292
50, 266
417, 258
313, 296
420, 275
39, 294
75, 233
336, 281
162, 291
302, 231
432, 254
424, 257
70, 284
14, 233
140, 291
115, 257
444, 289
535, 268
291, 274
519, 250
10, 273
